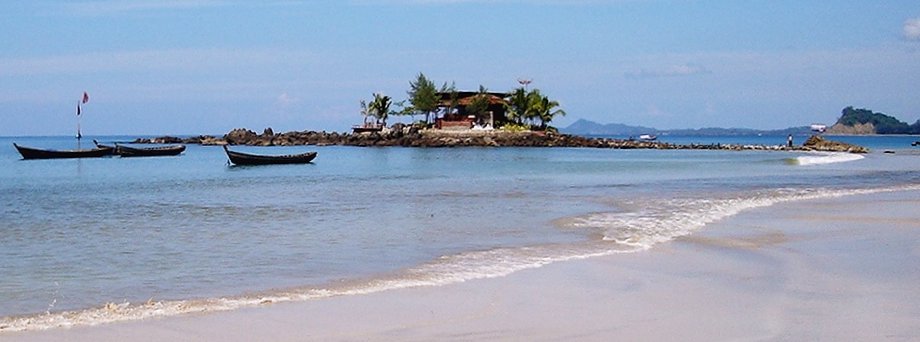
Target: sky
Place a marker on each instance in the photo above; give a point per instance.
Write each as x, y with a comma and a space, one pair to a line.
209, 66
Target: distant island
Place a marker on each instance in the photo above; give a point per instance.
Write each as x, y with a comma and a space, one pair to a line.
851, 121
864, 121
586, 127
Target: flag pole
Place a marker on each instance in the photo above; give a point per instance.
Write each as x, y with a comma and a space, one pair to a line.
82, 100
79, 136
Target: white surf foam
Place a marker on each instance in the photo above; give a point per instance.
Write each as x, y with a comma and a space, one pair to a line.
656, 222
819, 158
664, 220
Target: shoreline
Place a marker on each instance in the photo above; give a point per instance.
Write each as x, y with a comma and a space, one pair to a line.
540, 290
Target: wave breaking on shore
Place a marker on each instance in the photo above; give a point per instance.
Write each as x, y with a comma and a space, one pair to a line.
819, 158
653, 222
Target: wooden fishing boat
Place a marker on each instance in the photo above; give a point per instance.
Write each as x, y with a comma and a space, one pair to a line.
36, 153
126, 151
240, 158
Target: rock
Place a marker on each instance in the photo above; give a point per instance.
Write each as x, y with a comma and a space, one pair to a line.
241, 136
818, 143
210, 141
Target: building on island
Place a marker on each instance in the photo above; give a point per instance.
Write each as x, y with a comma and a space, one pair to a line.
461, 117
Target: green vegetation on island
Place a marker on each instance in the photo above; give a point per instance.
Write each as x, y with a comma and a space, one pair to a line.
517, 110
865, 121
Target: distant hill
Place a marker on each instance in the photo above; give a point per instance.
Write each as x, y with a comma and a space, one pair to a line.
864, 121
586, 127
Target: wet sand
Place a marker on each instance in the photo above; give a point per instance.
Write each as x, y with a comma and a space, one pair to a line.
833, 269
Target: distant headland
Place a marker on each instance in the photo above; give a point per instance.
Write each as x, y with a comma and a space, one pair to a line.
864, 121
852, 121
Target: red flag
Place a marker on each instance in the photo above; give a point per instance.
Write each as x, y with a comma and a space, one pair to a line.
85, 97
78, 109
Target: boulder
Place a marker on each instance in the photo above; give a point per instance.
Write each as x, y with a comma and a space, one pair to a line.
818, 143
241, 136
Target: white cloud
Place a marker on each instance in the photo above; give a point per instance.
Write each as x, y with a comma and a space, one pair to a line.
912, 29
676, 70
285, 100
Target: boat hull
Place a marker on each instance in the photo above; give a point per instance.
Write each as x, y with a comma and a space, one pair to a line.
125, 151
239, 158
37, 153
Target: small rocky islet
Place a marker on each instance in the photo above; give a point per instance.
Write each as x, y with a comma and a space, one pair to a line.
409, 136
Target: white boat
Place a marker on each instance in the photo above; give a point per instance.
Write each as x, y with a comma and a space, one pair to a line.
819, 128
648, 137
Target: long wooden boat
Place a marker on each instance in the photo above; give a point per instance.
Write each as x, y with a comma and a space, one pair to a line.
365, 129
240, 158
37, 153
126, 151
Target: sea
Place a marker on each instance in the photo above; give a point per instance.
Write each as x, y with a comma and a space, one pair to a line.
91, 241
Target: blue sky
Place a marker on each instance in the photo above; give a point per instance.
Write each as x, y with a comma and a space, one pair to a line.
208, 66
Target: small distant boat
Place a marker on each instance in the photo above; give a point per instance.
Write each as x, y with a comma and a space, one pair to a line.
365, 129
915, 143
36, 153
648, 137
240, 158
126, 151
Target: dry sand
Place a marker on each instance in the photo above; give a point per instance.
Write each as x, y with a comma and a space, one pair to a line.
835, 269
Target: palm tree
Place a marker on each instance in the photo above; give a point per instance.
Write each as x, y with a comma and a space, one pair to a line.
534, 106
517, 105
530, 107
365, 111
380, 108
547, 110
453, 101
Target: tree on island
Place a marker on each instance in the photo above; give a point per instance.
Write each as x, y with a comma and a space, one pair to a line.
883, 123
423, 97
479, 105
517, 105
379, 108
544, 109
526, 108
453, 100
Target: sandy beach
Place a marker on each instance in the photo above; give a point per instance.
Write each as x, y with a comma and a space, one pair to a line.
832, 269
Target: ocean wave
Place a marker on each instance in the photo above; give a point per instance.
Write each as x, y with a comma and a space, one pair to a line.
819, 158
654, 222
659, 221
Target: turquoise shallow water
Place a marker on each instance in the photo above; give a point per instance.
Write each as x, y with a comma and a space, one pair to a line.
77, 234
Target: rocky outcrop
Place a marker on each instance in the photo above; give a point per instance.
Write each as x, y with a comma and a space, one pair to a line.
818, 143
410, 136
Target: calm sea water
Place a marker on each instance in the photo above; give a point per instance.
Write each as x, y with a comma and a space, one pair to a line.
166, 235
